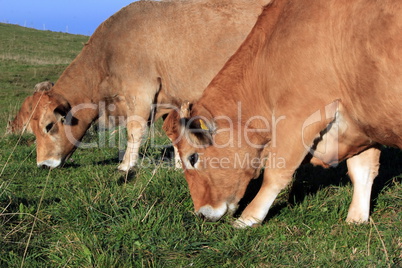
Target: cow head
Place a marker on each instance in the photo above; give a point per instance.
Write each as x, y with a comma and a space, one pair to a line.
23, 116
57, 131
216, 170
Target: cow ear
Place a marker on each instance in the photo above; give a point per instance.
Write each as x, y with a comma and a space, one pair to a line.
201, 126
171, 125
61, 111
202, 120
200, 130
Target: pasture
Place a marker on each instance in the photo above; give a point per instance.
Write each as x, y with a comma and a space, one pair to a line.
87, 214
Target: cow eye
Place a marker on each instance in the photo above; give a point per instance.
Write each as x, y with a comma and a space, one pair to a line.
193, 159
49, 127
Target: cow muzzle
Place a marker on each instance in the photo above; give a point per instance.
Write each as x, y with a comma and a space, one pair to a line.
50, 163
214, 214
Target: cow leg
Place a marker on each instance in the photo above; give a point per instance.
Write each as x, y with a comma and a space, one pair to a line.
293, 139
274, 182
363, 168
136, 128
139, 107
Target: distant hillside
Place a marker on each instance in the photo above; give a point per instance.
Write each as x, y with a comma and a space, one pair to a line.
29, 56
31, 46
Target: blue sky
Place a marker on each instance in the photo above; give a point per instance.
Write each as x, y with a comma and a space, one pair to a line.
72, 16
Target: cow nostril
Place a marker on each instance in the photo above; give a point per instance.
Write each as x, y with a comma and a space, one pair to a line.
43, 166
51, 163
202, 216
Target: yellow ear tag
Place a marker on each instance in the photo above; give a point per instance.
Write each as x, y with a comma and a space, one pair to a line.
203, 126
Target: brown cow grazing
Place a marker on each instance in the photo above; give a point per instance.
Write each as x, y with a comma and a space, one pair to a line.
23, 116
150, 53
321, 77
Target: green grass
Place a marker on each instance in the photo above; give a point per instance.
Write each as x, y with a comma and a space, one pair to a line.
89, 215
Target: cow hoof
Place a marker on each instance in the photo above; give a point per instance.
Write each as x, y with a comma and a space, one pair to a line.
124, 168
239, 225
245, 223
354, 221
356, 216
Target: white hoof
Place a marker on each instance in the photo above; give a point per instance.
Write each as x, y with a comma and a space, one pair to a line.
356, 221
358, 216
241, 223
124, 167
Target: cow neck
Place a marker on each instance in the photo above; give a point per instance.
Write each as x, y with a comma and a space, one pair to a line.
236, 83
79, 83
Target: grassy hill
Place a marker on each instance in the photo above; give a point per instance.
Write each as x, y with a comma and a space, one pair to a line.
86, 214
29, 56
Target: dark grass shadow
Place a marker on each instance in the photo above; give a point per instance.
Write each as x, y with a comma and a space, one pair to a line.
310, 179
252, 190
163, 157
111, 161
69, 164
165, 154
390, 170
126, 177
16, 205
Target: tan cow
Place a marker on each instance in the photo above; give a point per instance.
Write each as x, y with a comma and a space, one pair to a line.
151, 53
20, 121
319, 76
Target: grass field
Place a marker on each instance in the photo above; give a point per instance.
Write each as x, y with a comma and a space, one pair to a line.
87, 214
